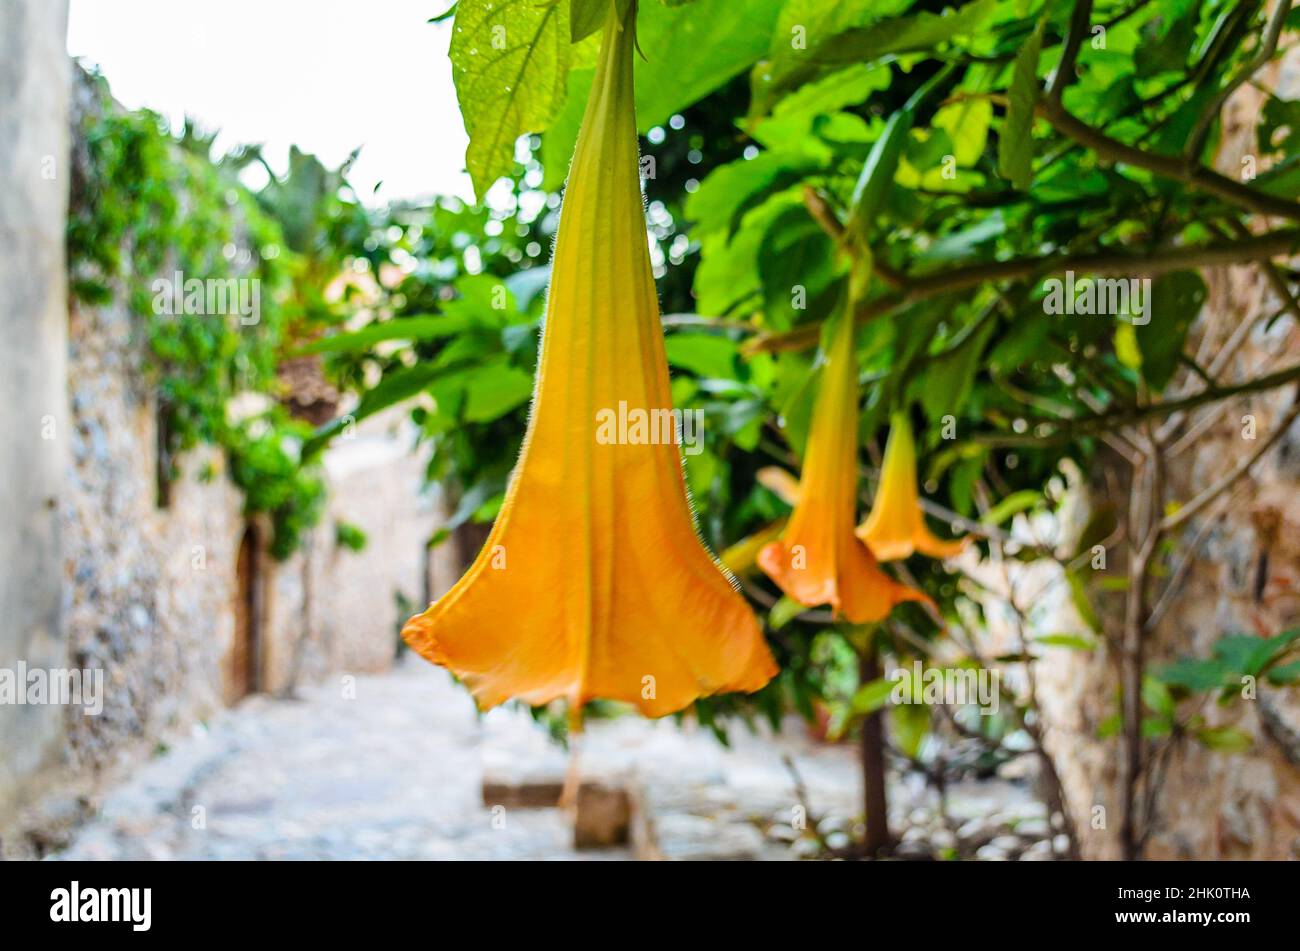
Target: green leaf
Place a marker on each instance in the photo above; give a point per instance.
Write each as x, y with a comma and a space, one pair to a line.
510, 62
726, 193
1226, 739
967, 125
877, 176
495, 390
859, 44
872, 696
948, 378
1285, 675
728, 273
406, 328
586, 17
795, 253
561, 136
1247, 654
907, 34
1156, 695
793, 118
783, 612
692, 50
1168, 38
1082, 604
392, 389
705, 355
1013, 504
810, 22
1016, 142
1278, 115
1072, 641
1127, 350
1194, 675
910, 723
1173, 302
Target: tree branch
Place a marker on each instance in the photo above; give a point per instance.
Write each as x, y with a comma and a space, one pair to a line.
1080, 18
1179, 169
925, 286
1108, 421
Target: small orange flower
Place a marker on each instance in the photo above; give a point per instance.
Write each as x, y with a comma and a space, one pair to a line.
593, 582
818, 559
896, 526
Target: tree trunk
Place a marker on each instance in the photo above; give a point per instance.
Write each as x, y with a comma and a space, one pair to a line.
874, 797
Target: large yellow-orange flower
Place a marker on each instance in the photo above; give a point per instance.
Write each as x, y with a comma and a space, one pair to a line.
896, 526
593, 581
818, 559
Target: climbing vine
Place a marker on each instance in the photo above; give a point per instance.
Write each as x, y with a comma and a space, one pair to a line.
145, 207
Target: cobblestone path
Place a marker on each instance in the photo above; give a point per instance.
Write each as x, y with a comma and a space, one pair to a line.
392, 766
394, 773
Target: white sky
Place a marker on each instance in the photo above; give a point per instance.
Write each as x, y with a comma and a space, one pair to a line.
325, 75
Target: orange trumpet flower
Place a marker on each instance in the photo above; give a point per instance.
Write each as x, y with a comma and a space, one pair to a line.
593, 581
818, 559
896, 526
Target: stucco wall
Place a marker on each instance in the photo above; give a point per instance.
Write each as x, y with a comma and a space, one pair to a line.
34, 82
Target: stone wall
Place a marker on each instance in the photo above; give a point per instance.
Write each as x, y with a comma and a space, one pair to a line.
1213, 805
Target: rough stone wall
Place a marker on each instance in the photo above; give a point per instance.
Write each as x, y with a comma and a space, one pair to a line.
34, 94
1214, 805
149, 589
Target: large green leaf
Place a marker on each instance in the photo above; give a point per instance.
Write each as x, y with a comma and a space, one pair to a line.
947, 380
510, 61
798, 268
495, 390
727, 191
705, 355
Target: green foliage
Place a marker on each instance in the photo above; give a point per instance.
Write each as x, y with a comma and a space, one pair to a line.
1236, 657
146, 205
347, 535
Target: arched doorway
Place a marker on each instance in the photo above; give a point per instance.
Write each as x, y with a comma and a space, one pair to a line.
243, 661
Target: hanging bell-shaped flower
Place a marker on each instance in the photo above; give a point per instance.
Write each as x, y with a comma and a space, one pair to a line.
818, 559
896, 526
593, 581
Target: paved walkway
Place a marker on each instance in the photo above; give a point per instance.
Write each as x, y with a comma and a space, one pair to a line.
393, 773
392, 766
